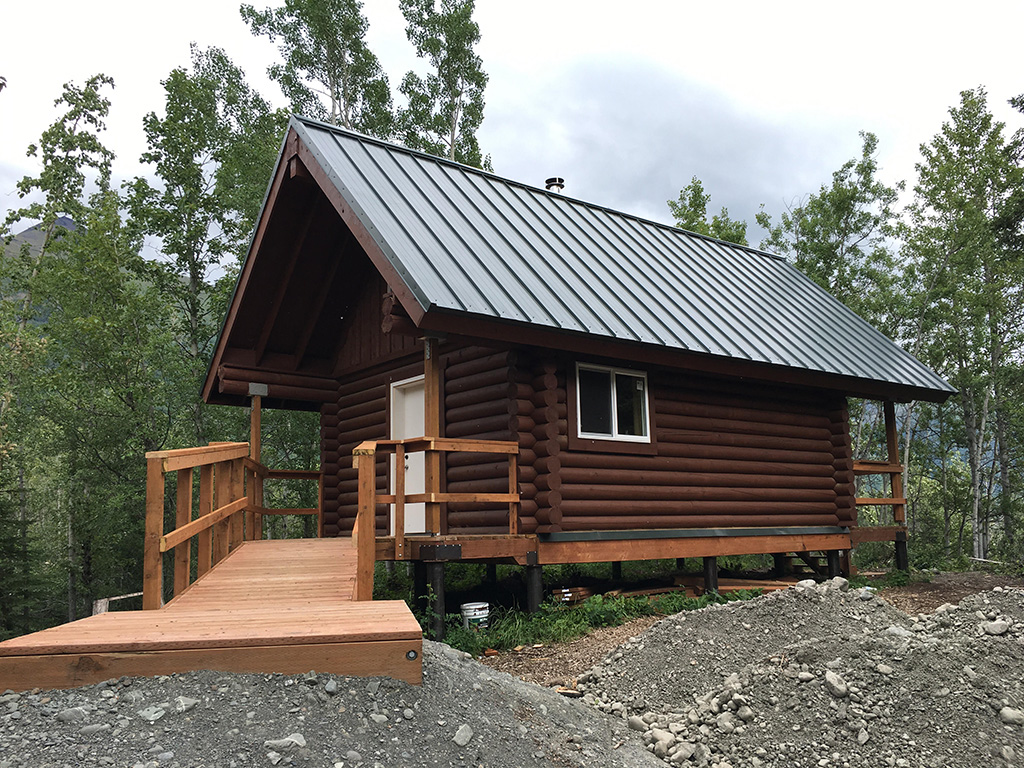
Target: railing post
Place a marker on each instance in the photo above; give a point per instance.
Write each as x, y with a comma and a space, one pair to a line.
432, 428
365, 532
152, 563
236, 523
399, 531
513, 487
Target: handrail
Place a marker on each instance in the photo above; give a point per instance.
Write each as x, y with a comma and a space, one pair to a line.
897, 500
230, 510
364, 459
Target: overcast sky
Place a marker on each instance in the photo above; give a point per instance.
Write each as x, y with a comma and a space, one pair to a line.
626, 101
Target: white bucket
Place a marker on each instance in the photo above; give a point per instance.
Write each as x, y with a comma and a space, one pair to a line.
475, 615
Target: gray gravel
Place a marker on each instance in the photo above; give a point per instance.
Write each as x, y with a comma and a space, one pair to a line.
463, 715
817, 676
822, 676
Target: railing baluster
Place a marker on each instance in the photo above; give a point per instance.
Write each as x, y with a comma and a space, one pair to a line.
183, 552
204, 539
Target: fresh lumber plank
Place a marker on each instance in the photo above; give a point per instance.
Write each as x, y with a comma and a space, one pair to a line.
388, 658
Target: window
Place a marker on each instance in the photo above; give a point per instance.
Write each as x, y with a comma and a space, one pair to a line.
611, 404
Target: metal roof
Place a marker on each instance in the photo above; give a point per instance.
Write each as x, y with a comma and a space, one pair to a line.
468, 241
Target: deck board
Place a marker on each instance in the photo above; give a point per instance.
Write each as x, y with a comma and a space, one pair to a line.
270, 606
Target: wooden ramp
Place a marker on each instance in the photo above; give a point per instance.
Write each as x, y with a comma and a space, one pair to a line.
270, 606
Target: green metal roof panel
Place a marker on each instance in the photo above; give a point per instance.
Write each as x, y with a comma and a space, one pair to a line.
470, 242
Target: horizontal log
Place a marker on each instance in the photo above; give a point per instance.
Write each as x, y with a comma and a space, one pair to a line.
482, 410
643, 494
527, 507
589, 467
464, 459
876, 468
374, 405
744, 414
488, 471
578, 507
255, 375
714, 391
491, 362
550, 517
766, 478
869, 502
548, 499
362, 394
303, 394
374, 418
645, 522
685, 439
484, 485
667, 421
492, 517
781, 454
546, 398
476, 381
502, 391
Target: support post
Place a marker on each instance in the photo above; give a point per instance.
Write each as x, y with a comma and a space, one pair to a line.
492, 573
254, 520
617, 570
902, 556
534, 587
152, 559
781, 564
680, 563
432, 428
435, 578
832, 557
710, 575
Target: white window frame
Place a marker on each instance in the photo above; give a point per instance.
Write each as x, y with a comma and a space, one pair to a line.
644, 438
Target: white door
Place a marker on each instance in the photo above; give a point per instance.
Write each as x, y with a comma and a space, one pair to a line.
407, 418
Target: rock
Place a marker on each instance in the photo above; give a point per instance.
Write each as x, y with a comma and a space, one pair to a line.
89, 730
835, 685
1011, 716
995, 627
74, 714
152, 714
372, 687
464, 735
379, 718
331, 688
806, 584
805, 677
352, 757
636, 723
310, 678
863, 736
884, 669
287, 744
274, 757
184, 704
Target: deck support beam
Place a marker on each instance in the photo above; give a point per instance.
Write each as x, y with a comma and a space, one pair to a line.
832, 556
534, 587
710, 575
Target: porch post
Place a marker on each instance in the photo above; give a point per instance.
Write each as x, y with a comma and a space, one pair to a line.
432, 428
899, 511
253, 520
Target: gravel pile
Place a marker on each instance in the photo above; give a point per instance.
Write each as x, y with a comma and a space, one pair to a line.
464, 715
818, 676
821, 675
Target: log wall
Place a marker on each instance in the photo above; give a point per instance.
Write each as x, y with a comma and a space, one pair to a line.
728, 454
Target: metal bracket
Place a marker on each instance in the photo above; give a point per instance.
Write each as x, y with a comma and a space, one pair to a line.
440, 552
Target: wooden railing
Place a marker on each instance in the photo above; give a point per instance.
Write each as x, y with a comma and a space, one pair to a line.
364, 458
230, 510
894, 469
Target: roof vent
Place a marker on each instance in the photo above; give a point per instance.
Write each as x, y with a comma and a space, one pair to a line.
555, 184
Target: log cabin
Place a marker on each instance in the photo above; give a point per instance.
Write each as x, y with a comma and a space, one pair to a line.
507, 374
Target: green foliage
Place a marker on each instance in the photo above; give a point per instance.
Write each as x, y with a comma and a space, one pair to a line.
840, 236
690, 212
326, 60
445, 107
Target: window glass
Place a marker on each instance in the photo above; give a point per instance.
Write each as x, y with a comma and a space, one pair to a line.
595, 395
631, 404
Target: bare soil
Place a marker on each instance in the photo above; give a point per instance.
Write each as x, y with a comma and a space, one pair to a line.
561, 663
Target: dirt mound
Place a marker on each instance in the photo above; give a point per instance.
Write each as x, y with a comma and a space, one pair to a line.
822, 676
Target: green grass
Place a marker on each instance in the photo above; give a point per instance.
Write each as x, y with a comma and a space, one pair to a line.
558, 623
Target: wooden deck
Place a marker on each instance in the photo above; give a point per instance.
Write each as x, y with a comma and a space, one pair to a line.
270, 606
